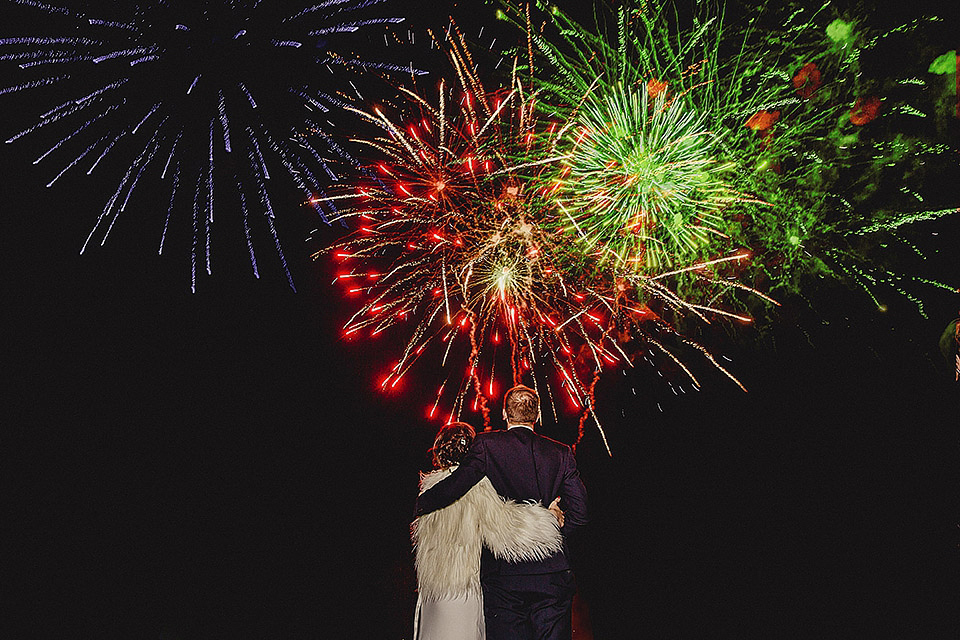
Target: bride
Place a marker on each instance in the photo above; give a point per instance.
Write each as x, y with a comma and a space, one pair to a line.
447, 544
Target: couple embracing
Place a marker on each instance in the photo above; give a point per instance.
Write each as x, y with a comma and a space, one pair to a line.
491, 560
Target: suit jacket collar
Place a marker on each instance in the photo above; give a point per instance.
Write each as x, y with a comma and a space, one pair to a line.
521, 432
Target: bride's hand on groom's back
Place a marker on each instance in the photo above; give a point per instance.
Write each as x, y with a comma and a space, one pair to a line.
556, 511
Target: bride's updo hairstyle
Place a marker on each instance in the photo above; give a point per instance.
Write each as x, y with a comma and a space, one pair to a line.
451, 444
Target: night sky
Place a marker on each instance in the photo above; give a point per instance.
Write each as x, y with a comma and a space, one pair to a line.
217, 464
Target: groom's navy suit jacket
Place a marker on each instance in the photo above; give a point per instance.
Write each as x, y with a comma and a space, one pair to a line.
522, 466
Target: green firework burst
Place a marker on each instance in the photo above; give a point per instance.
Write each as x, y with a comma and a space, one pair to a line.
806, 153
642, 186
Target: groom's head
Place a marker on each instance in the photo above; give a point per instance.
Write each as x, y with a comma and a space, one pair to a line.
521, 405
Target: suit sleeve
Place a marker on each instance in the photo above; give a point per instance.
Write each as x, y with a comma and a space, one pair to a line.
472, 468
573, 495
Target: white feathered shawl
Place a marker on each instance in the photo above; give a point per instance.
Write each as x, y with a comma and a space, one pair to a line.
447, 542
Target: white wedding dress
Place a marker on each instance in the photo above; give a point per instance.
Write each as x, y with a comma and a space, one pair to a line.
450, 618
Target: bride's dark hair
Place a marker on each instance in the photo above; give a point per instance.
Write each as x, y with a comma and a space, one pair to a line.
451, 444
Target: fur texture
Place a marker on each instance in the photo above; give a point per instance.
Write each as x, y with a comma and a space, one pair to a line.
447, 542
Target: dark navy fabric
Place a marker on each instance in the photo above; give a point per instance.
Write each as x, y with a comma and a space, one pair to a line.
532, 607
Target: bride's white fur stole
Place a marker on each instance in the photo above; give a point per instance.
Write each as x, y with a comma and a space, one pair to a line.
447, 542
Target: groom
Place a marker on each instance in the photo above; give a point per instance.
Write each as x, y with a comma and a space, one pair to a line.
524, 599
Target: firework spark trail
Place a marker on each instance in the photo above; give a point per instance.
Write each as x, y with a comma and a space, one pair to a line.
144, 73
196, 234
246, 231
173, 197
905, 219
106, 150
42, 6
55, 60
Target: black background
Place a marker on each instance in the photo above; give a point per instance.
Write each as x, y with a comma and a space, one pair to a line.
219, 464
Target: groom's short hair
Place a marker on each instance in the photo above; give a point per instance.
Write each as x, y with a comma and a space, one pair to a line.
522, 405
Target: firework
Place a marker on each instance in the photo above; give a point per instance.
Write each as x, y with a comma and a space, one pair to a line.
641, 185
687, 143
450, 239
459, 240
179, 90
